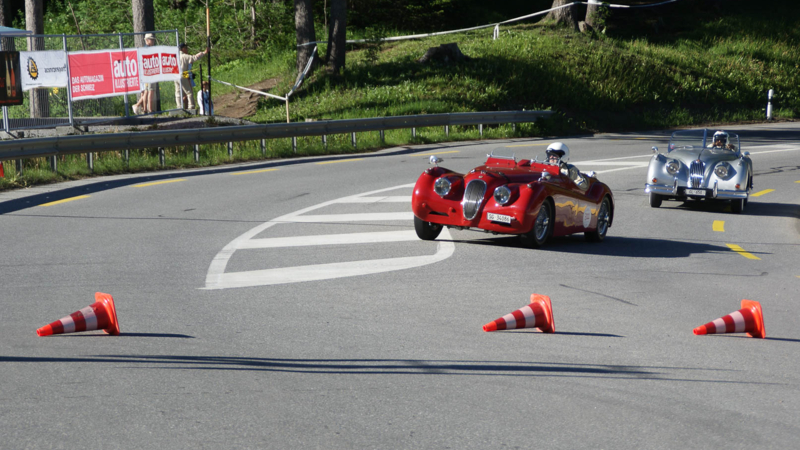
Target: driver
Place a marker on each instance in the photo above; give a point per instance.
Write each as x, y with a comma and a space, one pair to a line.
721, 141
558, 154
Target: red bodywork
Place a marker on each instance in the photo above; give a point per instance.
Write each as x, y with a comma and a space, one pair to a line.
528, 190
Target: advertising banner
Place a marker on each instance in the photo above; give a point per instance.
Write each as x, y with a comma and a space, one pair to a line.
10, 86
158, 63
43, 69
97, 74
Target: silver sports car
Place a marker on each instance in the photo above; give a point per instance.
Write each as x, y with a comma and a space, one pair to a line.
701, 165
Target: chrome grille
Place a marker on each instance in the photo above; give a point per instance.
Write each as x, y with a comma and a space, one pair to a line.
696, 171
473, 197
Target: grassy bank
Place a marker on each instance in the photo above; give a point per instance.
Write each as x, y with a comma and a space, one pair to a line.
704, 67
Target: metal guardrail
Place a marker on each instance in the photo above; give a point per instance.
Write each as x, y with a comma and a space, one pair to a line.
64, 145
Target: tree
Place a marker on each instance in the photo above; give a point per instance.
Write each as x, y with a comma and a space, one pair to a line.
304, 26
564, 15
34, 21
5, 20
143, 19
337, 39
592, 14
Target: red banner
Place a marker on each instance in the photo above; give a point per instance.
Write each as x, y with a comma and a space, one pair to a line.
103, 73
159, 63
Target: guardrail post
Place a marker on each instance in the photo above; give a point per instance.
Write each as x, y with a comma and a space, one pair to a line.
19, 167
230, 149
480, 129
294, 144
447, 130
353, 139
383, 136
90, 161
196, 152
263, 147
127, 156
513, 127
413, 133
162, 157
325, 141
54, 163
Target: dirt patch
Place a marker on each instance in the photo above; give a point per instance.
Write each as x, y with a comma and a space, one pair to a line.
241, 103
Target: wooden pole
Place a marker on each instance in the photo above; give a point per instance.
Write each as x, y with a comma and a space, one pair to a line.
208, 45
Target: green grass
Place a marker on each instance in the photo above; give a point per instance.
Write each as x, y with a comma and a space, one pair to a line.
700, 68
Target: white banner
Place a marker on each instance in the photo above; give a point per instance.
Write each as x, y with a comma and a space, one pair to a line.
43, 69
159, 63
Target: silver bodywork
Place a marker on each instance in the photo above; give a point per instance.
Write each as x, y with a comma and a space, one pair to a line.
697, 175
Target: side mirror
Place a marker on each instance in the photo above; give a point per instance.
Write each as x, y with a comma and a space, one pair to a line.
655, 149
591, 174
435, 160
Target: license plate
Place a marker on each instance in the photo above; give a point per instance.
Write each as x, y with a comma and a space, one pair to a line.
699, 192
498, 218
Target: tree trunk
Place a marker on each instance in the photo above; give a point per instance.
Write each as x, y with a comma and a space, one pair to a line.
567, 16
34, 21
5, 20
304, 26
337, 39
592, 14
143, 19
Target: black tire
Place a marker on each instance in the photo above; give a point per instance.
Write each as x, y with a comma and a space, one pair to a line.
655, 200
542, 227
425, 230
737, 205
603, 219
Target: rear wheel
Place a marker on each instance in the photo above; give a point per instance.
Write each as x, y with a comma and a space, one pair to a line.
603, 219
542, 227
425, 230
737, 205
655, 200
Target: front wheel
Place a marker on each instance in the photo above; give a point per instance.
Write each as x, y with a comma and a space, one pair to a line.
603, 219
425, 230
542, 227
655, 200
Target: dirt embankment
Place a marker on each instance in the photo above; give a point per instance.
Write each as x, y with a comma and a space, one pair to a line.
241, 104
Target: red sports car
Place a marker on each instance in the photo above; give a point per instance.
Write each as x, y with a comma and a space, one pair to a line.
532, 199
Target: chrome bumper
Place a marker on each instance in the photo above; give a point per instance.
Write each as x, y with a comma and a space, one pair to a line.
664, 189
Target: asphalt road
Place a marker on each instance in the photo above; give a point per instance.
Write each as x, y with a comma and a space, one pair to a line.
289, 305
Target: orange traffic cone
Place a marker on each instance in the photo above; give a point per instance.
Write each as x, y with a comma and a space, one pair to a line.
748, 320
99, 316
539, 314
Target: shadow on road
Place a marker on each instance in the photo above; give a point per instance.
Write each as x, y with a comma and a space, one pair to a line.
630, 247
393, 367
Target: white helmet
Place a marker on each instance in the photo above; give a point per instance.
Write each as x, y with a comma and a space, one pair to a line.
558, 149
721, 136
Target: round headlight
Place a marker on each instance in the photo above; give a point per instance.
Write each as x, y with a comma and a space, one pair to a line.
442, 186
502, 195
673, 167
721, 170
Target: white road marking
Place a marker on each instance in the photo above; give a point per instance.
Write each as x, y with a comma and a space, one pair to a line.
394, 199
217, 278
365, 217
331, 239
318, 272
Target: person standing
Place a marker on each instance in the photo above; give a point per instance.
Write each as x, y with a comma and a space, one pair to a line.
146, 102
183, 87
204, 99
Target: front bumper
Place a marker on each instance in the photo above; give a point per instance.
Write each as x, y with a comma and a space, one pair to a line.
680, 191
